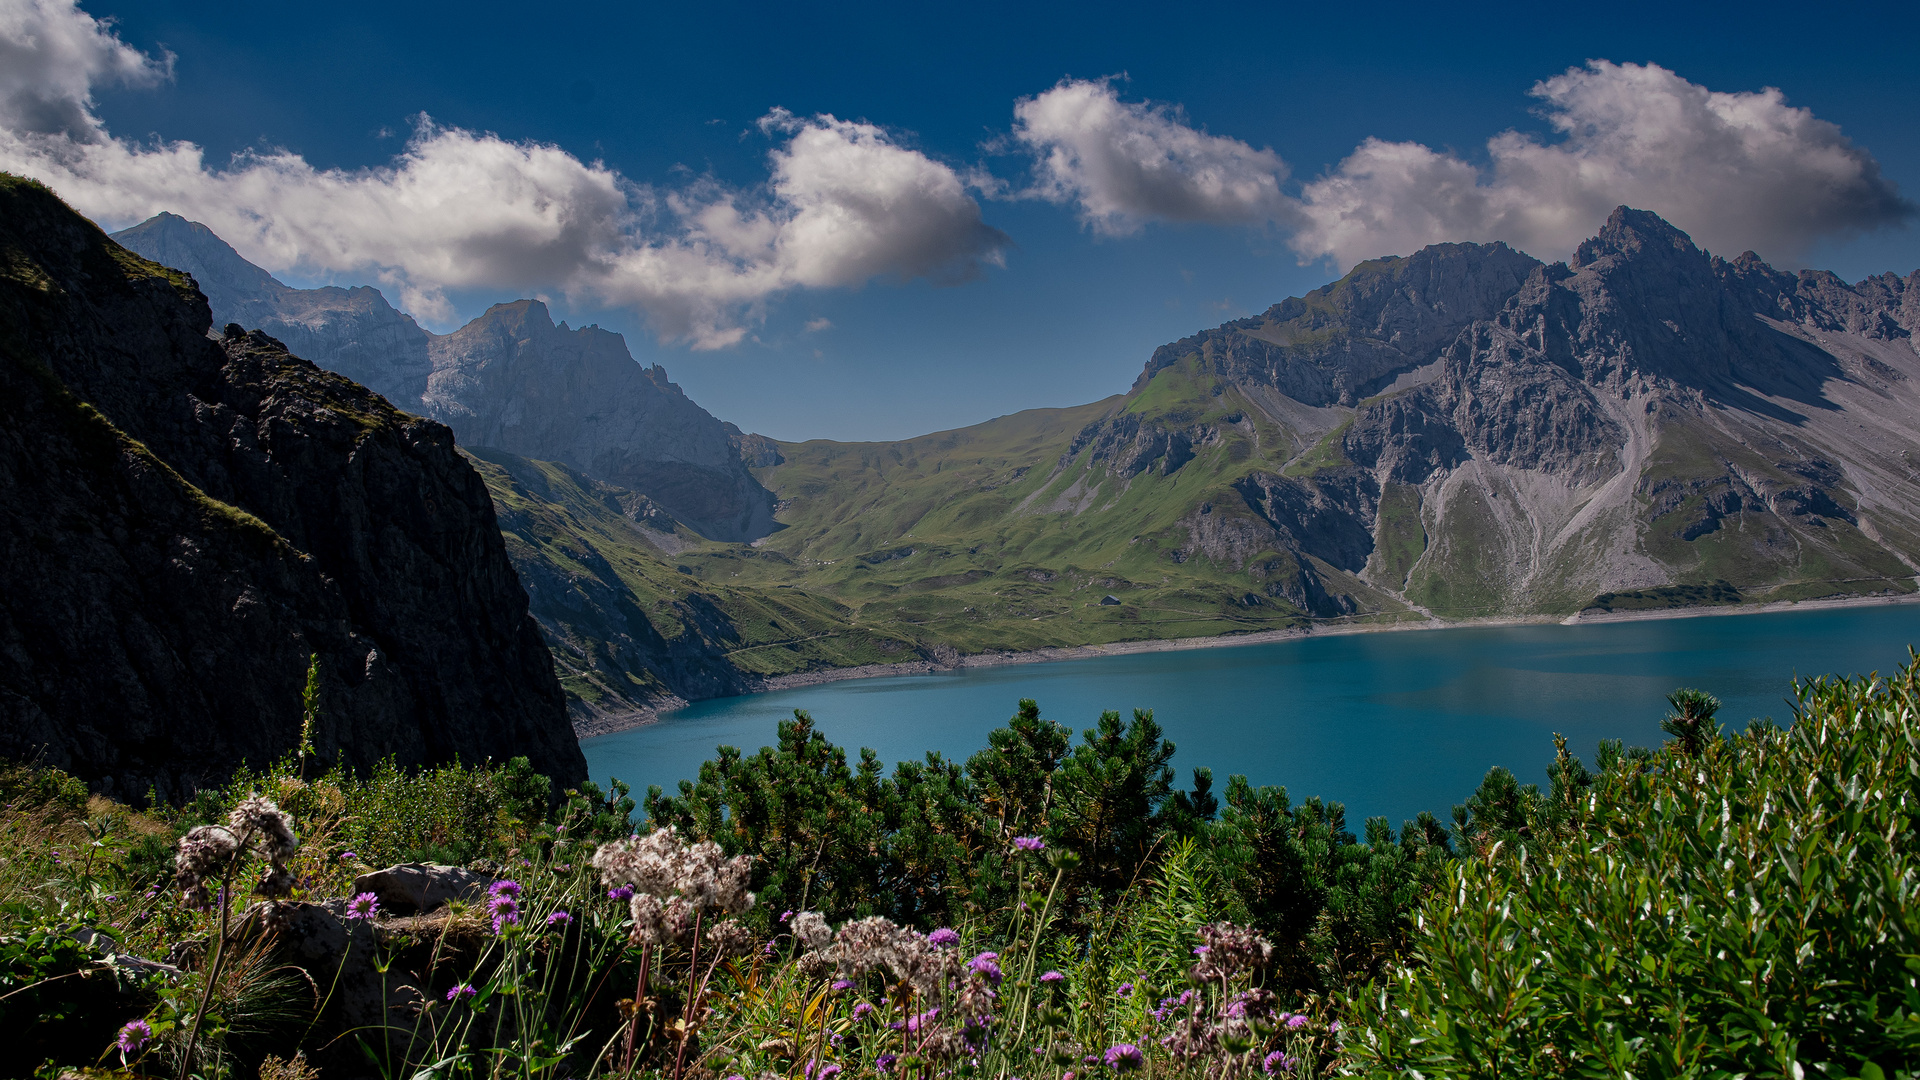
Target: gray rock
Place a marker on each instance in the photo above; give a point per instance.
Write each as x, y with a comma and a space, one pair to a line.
418, 888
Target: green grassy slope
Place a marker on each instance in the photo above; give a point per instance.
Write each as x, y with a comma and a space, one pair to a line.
1010, 534
628, 623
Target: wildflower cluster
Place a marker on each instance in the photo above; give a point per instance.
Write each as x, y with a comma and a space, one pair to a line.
670, 885
1215, 1024
948, 1004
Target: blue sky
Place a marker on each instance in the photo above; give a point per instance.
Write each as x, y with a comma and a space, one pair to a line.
1024, 287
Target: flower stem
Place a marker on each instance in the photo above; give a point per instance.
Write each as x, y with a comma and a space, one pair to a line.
213, 971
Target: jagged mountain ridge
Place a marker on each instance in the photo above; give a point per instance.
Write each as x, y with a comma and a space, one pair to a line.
188, 516
510, 379
1464, 432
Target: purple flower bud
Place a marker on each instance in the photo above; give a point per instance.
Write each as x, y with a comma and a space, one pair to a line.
464, 990
1029, 843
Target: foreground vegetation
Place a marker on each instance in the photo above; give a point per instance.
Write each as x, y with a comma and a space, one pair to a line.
1725, 905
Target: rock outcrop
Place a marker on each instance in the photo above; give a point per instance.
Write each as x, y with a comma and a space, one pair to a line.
510, 379
186, 517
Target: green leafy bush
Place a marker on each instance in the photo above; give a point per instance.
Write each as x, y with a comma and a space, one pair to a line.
1727, 907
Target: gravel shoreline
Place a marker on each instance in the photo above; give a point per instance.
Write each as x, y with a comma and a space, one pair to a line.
611, 723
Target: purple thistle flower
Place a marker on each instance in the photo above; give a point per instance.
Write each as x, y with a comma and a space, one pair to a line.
843, 984
1125, 990
365, 906
862, 1011
787, 914
348, 856
559, 918
885, 1062
1124, 1057
1200, 950
1297, 1021
987, 966
1053, 977
825, 1072
620, 892
504, 887
464, 990
942, 938
134, 1036
915, 1023
1278, 1062
1029, 843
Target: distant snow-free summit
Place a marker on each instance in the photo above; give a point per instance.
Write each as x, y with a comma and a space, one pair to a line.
510, 379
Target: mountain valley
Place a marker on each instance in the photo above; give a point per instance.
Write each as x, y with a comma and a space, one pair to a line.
1464, 432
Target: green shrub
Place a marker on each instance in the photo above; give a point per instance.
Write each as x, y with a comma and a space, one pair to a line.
1725, 907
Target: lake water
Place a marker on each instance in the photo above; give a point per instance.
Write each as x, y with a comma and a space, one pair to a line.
1387, 723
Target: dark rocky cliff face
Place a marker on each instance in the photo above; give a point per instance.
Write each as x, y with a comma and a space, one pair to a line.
184, 519
509, 379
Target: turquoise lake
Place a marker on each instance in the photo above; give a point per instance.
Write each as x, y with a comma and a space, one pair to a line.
1388, 723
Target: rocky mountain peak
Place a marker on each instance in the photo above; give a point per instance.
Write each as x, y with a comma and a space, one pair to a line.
510, 379
1631, 234
223, 275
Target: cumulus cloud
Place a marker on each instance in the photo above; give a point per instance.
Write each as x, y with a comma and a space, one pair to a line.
1734, 170
1124, 164
457, 209
52, 55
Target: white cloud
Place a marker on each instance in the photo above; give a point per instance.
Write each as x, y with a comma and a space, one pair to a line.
464, 210
1734, 170
814, 326
52, 55
1125, 164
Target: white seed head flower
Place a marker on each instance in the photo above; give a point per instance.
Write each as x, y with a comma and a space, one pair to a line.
203, 854
264, 826
812, 929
